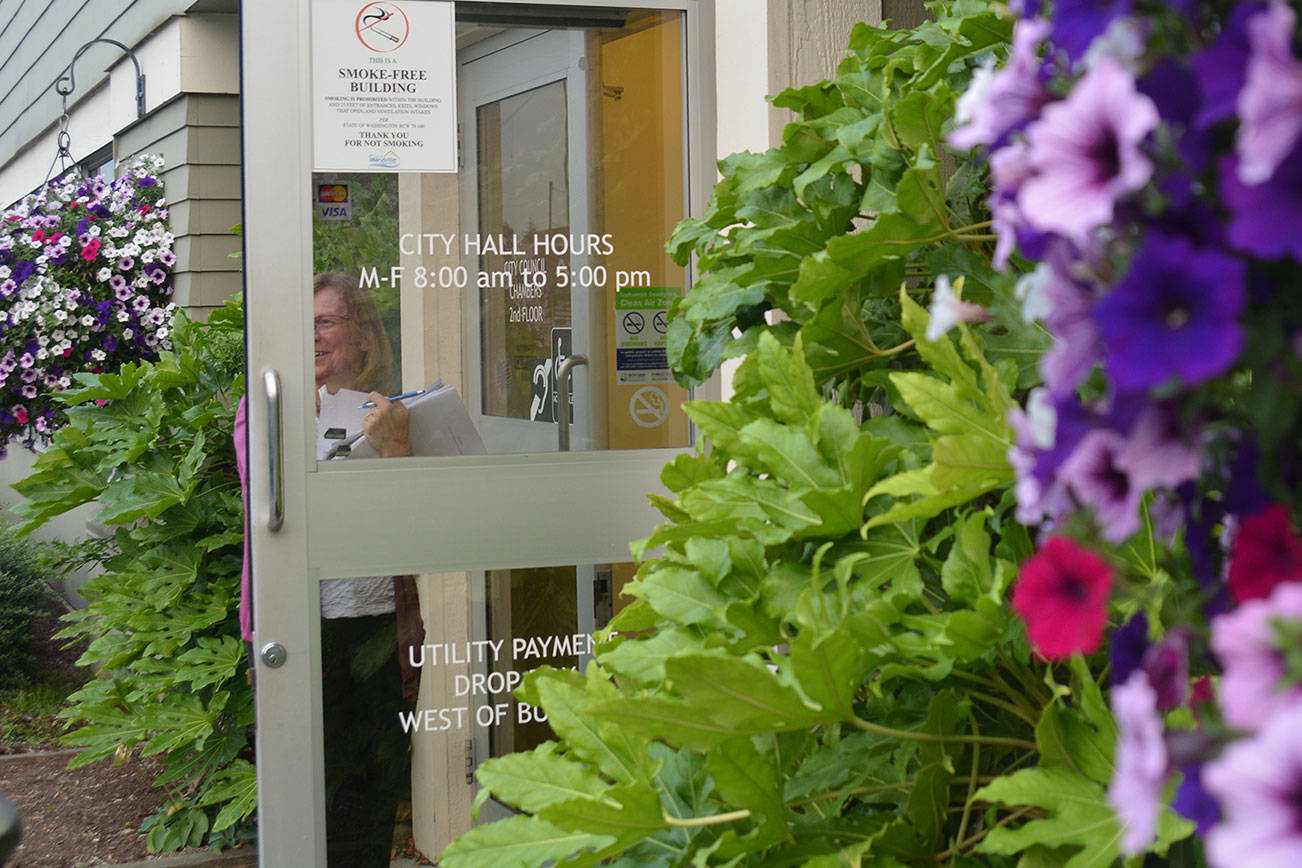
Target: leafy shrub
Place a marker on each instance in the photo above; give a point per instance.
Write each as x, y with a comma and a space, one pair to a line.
24, 594
151, 445
821, 665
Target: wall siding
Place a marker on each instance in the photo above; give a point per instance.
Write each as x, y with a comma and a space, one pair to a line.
40, 39
199, 138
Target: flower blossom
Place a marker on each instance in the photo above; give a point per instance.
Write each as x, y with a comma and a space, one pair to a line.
948, 310
1061, 593
1270, 104
1085, 153
1266, 552
998, 102
1140, 765
1173, 316
1247, 643
1094, 477
1258, 782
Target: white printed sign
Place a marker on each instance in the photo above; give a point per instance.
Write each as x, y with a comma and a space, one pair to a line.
384, 81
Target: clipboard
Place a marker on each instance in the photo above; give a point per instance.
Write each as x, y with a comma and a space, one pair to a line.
439, 425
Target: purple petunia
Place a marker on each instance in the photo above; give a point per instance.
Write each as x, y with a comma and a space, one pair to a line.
1270, 104
1173, 316
1092, 475
1258, 783
1085, 153
999, 102
1140, 766
1193, 802
1264, 217
1076, 348
1077, 22
1161, 451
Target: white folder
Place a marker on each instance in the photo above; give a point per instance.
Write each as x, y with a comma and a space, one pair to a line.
439, 425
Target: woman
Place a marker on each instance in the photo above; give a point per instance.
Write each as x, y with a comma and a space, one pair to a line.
351, 351
364, 686
365, 753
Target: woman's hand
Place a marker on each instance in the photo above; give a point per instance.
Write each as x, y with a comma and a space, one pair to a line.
386, 427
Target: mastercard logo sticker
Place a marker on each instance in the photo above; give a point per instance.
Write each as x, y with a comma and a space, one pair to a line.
332, 193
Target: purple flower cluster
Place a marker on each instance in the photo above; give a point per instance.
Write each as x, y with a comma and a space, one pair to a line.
85, 281
1146, 158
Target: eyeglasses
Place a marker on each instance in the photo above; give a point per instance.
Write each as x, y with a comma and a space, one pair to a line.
327, 323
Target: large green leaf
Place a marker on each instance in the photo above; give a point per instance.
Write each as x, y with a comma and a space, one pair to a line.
518, 842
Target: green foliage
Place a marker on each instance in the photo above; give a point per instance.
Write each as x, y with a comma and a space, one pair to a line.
24, 594
820, 666
151, 446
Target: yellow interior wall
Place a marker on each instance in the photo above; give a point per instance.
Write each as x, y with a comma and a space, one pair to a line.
641, 197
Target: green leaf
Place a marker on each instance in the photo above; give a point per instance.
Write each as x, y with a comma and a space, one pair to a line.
570, 708
625, 813
518, 842
748, 779
1078, 815
532, 780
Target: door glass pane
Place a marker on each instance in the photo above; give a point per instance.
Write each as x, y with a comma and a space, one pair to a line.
418, 682
523, 201
546, 245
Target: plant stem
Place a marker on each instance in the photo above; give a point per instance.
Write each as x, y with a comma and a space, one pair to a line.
1012, 708
949, 854
712, 820
971, 785
910, 735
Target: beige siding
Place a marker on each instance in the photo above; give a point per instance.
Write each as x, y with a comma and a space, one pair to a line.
199, 138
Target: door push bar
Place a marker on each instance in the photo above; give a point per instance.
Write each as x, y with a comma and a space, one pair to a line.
275, 476
564, 373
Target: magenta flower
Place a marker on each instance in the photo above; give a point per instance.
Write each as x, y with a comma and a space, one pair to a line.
1085, 152
1140, 764
1266, 553
1258, 783
1247, 644
1062, 593
1270, 104
998, 102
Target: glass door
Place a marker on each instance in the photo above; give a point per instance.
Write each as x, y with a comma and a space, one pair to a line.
487, 234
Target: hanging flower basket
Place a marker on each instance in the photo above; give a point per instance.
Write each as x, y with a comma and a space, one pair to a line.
85, 282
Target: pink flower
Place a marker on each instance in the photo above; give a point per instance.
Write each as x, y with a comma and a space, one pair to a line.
1270, 104
1062, 594
1266, 553
1247, 642
21, 415
91, 250
1085, 151
1140, 763
1257, 782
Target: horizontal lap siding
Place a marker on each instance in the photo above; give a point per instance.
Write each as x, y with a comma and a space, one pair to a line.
198, 136
39, 39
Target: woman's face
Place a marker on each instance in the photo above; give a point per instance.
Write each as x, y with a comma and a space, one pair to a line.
337, 344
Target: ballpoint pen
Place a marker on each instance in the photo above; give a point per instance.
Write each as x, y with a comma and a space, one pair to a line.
369, 404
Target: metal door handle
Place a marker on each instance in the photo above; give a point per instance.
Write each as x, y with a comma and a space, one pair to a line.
563, 375
275, 477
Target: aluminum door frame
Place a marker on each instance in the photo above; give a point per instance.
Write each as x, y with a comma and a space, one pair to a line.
370, 498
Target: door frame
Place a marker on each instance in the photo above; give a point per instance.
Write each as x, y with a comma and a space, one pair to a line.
300, 546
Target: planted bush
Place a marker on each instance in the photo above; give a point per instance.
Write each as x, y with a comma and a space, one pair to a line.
151, 446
